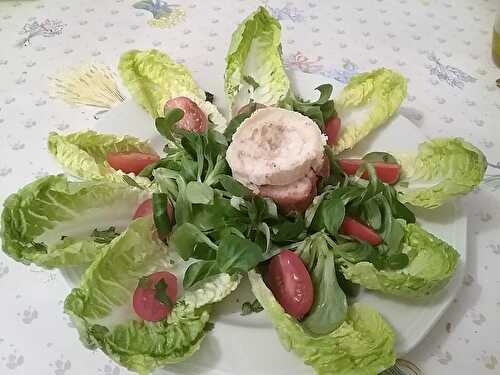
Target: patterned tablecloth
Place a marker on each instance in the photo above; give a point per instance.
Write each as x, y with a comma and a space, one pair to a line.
442, 47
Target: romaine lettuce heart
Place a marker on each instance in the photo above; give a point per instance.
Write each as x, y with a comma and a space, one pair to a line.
443, 169
362, 345
367, 102
254, 67
152, 78
37, 219
432, 264
101, 308
83, 154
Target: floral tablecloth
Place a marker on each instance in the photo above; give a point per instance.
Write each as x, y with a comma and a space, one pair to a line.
442, 47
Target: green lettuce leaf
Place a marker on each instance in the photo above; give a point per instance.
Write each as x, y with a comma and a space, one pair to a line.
101, 308
37, 219
432, 264
368, 101
254, 68
362, 345
153, 78
83, 154
443, 169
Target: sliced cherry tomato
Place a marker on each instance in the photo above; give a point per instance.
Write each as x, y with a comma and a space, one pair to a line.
352, 227
194, 120
386, 172
155, 296
146, 208
246, 107
291, 283
332, 130
131, 162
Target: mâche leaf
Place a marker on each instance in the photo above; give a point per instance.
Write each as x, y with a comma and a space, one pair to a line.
199, 193
160, 214
186, 237
166, 125
236, 254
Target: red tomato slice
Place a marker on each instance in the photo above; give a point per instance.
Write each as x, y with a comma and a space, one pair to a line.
194, 120
291, 283
146, 208
386, 172
353, 228
146, 305
131, 162
332, 130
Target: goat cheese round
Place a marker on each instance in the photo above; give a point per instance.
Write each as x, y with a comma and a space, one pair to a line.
275, 147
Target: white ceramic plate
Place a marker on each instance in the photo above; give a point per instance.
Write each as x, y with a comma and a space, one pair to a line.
248, 345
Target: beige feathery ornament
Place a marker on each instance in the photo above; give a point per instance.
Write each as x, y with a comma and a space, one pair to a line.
92, 85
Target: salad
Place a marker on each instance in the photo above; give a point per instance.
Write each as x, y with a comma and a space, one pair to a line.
266, 194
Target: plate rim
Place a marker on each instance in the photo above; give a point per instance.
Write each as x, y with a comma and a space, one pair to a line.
453, 287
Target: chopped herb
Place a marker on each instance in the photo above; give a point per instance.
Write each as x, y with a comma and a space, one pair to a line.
105, 236
143, 282
209, 97
252, 82
209, 326
39, 246
248, 308
161, 293
63, 238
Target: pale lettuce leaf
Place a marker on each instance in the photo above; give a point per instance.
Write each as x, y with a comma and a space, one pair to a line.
443, 169
362, 345
83, 154
101, 308
367, 102
254, 66
36, 219
432, 264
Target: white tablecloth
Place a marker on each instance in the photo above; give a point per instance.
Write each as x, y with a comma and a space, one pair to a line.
442, 47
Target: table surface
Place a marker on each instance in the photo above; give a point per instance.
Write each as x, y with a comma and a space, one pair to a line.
442, 47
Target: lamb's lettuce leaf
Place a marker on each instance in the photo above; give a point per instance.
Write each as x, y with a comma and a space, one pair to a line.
368, 101
101, 307
443, 169
152, 78
254, 67
83, 154
362, 345
329, 309
50, 221
432, 264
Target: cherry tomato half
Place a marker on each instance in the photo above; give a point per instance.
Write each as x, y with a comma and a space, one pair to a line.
146, 208
194, 120
386, 172
352, 227
131, 162
291, 283
147, 305
332, 130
